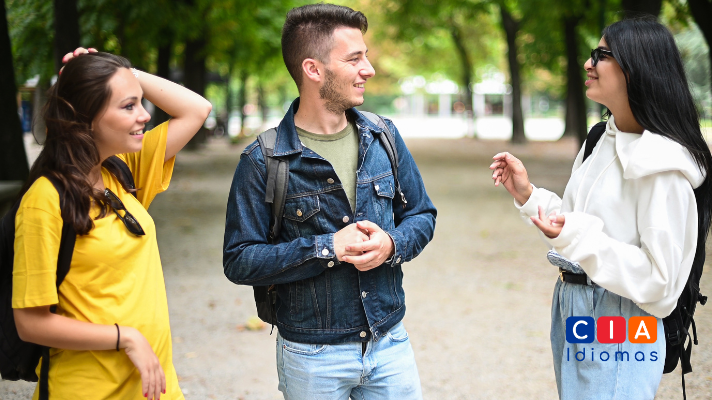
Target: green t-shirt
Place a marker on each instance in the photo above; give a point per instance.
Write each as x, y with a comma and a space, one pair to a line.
341, 150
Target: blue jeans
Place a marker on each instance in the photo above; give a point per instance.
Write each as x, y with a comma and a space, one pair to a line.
386, 370
636, 376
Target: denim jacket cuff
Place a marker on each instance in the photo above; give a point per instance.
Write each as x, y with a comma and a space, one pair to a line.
398, 245
325, 250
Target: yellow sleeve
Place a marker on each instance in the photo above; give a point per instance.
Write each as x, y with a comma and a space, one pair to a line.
151, 174
38, 231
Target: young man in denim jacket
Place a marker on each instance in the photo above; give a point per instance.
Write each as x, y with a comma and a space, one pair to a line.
345, 233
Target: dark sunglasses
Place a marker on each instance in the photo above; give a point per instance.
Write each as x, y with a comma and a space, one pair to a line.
129, 220
598, 54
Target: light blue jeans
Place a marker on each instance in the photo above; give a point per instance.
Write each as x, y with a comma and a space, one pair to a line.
631, 377
387, 370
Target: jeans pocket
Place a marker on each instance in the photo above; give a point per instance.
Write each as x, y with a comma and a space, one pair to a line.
304, 349
398, 333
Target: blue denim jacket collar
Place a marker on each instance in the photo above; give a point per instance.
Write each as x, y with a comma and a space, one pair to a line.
288, 141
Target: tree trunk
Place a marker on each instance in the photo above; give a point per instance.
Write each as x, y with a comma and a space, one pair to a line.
511, 27
701, 11
637, 8
575, 101
194, 71
262, 102
164, 71
39, 98
466, 66
242, 100
13, 159
66, 30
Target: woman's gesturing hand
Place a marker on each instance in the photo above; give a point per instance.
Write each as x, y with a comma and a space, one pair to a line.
153, 380
550, 226
510, 172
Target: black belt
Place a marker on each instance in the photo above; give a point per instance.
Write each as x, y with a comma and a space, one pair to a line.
570, 277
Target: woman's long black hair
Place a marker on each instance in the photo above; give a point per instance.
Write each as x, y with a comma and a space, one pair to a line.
660, 98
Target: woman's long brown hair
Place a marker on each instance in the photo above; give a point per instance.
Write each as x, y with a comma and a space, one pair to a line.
73, 103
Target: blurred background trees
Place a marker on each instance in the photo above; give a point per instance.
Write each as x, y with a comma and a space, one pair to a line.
516, 60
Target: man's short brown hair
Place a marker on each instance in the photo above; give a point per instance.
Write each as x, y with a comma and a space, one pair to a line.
308, 33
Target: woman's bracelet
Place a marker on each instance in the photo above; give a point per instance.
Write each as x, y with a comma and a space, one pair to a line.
118, 336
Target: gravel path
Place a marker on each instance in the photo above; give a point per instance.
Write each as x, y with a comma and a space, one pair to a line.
478, 297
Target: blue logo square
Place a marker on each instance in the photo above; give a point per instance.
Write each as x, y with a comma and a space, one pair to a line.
580, 330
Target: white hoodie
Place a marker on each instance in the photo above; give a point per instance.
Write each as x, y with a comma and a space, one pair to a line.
630, 217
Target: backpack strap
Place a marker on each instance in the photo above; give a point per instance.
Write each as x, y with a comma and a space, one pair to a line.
389, 143
277, 180
124, 171
594, 135
64, 260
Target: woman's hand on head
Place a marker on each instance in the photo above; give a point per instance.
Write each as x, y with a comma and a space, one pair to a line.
510, 172
76, 53
139, 351
550, 226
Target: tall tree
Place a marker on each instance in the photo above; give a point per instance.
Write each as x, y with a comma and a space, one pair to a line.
575, 119
13, 159
429, 24
511, 28
66, 29
701, 11
636, 8
194, 76
163, 69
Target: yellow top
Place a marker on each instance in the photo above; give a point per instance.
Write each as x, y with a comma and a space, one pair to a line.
115, 277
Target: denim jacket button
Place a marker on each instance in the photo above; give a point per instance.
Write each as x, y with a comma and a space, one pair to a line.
325, 252
330, 264
398, 260
299, 213
363, 294
362, 334
330, 180
345, 219
376, 187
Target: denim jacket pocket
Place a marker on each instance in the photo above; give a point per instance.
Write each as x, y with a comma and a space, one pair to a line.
385, 190
299, 216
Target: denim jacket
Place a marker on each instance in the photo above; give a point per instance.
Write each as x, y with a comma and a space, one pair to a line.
319, 299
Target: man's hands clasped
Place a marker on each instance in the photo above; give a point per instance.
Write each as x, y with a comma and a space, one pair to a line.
363, 244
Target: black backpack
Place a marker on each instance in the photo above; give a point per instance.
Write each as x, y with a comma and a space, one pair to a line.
677, 324
276, 194
18, 359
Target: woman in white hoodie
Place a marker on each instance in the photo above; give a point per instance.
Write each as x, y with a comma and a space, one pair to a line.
626, 232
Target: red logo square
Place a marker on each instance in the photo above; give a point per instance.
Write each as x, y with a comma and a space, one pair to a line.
610, 330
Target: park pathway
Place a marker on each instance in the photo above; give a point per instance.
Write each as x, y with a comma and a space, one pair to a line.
478, 297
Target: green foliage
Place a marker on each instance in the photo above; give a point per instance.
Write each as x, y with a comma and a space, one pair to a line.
31, 32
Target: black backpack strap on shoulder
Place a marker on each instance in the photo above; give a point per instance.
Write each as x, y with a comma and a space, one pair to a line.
275, 195
594, 135
389, 143
124, 170
64, 260
277, 180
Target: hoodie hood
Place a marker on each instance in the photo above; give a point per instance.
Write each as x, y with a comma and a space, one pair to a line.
650, 153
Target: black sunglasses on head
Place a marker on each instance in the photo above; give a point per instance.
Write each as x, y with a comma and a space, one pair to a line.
598, 54
129, 220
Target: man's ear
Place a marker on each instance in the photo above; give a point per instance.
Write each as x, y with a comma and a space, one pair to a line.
312, 69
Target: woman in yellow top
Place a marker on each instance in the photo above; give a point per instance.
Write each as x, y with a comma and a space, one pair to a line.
114, 294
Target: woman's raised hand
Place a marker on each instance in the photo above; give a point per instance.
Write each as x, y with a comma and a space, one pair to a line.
76, 53
153, 380
510, 172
